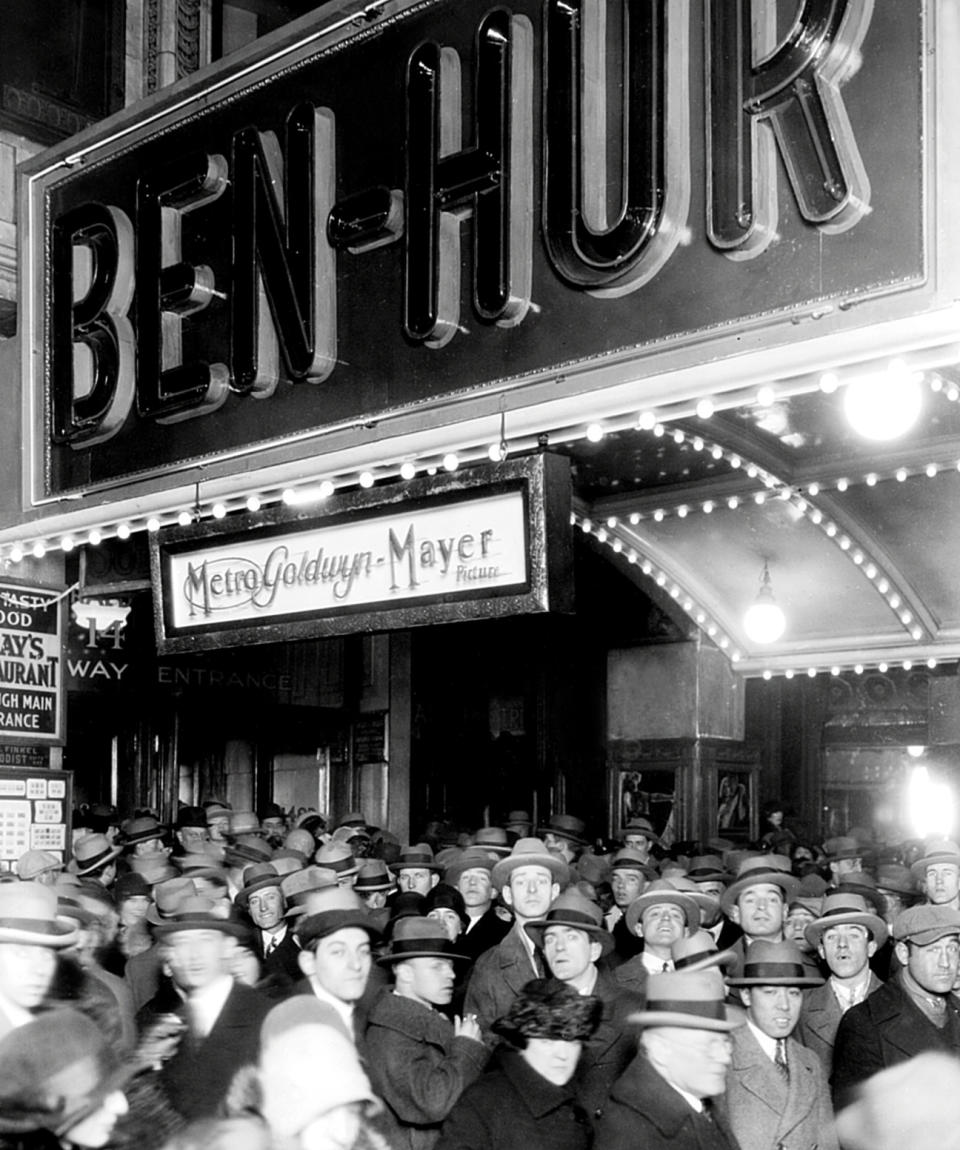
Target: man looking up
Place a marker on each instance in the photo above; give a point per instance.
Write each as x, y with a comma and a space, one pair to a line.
756, 900
913, 1012
660, 916
629, 875
529, 879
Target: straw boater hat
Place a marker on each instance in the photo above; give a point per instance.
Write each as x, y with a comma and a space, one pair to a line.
28, 914
194, 912
334, 908
693, 1000
418, 938
260, 876
571, 908
698, 951
775, 964
472, 858
841, 907
760, 870
641, 826
418, 856
936, 851
662, 890
565, 826
90, 852
530, 852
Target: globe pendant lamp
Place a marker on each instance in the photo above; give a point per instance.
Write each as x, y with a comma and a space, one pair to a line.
764, 620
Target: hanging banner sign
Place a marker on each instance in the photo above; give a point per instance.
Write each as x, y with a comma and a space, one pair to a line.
31, 656
471, 546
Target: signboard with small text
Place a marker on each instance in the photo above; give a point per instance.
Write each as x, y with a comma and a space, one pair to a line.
35, 809
31, 657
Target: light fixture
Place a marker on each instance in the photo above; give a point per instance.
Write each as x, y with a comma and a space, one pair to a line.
764, 620
886, 405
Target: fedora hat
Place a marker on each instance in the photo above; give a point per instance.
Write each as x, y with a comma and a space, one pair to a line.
28, 914
641, 826
629, 858
418, 856
775, 964
705, 902
284, 862
141, 830
90, 852
863, 884
936, 851
415, 937
662, 890
257, 877
698, 951
194, 912
246, 849
337, 856
215, 809
208, 863
896, 879
190, 817
299, 886
517, 819
845, 907
591, 868
154, 868
131, 885
471, 858
167, 896
565, 826
333, 908
573, 909
530, 852
842, 847
708, 868
34, 862
353, 819
493, 839
691, 999
760, 870
372, 876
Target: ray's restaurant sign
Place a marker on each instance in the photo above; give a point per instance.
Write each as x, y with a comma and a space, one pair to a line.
376, 212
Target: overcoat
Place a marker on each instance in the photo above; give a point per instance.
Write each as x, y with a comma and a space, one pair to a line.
611, 1048
498, 977
819, 1019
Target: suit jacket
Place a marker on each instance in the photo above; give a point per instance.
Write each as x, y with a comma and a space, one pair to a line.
819, 1019
498, 977
196, 1079
489, 931
645, 1111
418, 1067
886, 1029
283, 961
765, 1111
611, 1048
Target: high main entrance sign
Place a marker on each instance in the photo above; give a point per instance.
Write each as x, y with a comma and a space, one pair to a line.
446, 198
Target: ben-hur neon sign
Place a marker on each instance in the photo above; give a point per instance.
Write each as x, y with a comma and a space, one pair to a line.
129, 291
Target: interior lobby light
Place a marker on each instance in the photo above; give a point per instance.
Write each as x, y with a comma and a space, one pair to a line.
930, 805
764, 620
886, 405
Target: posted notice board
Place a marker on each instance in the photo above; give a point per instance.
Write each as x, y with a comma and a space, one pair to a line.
31, 664
35, 810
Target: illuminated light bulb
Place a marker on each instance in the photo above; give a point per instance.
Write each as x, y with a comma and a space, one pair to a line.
842, 484
366, 479
752, 471
917, 634
661, 579
289, 496
766, 396
764, 620
697, 443
884, 405
733, 502
496, 453
953, 393
634, 518
930, 806
931, 662
708, 507
816, 517
834, 670
631, 556
858, 557
760, 498
612, 521
218, 511
788, 673
647, 567
813, 489
38, 550
931, 470
617, 546
883, 586
594, 432
712, 630
872, 480
735, 656
735, 462
705, 408
658, 516
123, 530
724, 643
717, 452
829, 382
647, 420
573, 519
674, 592
906, 617
659, 430
768, 675
678, 436
184, 518
812, 672
682, 511
844, 543
831, 529
915, 750
936, 383
894, 601
882, 668
253, 503
901, 474
407, 470
326, 489
858, 669
700, 617
586, 526
687, 604
870, 571
94, 538
450, 461
153, 523
16, 554
602, 534
66, 543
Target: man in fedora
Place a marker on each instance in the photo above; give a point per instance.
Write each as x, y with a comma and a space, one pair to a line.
472, 875
757, 899
937, 873
573, 940
844, 856
529, 879
95, 858
374, 884
663, 1100
143, 836
846, 936
914, 1011
337, 856
776, 1091
31, 935
659, 917
713, 878
419, 1061
191, 831
518, 825
629, 875
416, 869
261, 897
221, 1017
638, 834
565, 835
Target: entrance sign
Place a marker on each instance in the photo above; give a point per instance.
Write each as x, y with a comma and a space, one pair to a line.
364, 218
472, 546
31, 655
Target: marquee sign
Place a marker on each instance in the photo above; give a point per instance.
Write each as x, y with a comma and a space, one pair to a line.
492, 541
377, 213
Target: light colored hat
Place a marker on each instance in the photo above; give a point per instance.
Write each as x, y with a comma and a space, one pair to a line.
839, 908
936, 851
693, 1000
300, 887
91, 852
418, 856
565, 826
28, 914
198, 913
472, 858
530, 852
333, 908
573, 909
154, 868
167, 896
257, 877
629, 858
698, 951
244, 823
775, 964
641, 826
337, 857
373, 876
415, 937
33, 863
760, 870
842, 847
923, 924
662, 890
493, 839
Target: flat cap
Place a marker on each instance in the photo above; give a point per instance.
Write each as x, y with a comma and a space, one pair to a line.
925, 924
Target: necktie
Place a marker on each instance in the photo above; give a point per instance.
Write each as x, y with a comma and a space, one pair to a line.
780, 1059
271, 946
666, 968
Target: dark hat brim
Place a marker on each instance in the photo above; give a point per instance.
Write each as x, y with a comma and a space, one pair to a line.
312, 927
243, 895
74, 866
176, 925
535, 931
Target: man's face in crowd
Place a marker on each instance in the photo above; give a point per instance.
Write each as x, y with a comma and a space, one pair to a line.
846, 866
193, 839
942, 881
934, 967
218, 826
26, 972
150, 847
798, 918
759, 911
197, 958
626, 886
847, 949
340, 963
530, 892
415, 878
774, 1010
274, 828
558, 846
638, 841
695, 1061
266, 907
448, 919
662, 924
431, 980
476, 887
569, 952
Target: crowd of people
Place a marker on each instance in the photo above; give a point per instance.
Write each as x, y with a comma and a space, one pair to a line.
248, 980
